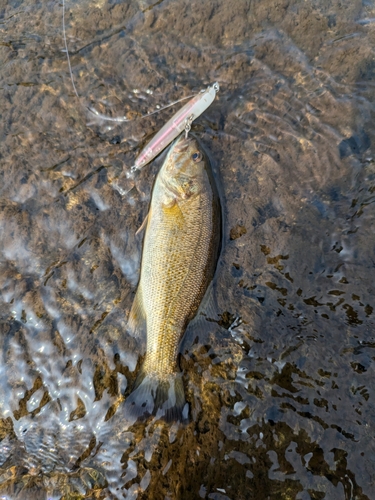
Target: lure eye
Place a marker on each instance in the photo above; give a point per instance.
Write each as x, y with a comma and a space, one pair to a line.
197, 156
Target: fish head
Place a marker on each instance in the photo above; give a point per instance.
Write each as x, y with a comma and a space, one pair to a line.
184, 168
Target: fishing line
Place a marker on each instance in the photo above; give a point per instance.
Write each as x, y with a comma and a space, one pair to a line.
118, 119
124, 119
66, 50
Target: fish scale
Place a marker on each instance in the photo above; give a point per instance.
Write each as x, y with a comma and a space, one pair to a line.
178, 262
179, 258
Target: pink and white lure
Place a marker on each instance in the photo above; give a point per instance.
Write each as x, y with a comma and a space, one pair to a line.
179, 122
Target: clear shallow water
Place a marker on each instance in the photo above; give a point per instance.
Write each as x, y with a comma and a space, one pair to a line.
282, 406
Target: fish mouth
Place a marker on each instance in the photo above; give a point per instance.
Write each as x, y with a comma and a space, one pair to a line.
183, 143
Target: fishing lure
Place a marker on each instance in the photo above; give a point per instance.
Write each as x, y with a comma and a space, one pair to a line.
179, 122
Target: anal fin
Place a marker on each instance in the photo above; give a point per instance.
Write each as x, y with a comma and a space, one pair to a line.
137, 317
204, 323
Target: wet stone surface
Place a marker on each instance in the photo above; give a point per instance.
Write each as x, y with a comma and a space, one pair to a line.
280, 381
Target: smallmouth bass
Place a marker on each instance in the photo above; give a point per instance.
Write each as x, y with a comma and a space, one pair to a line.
180, 252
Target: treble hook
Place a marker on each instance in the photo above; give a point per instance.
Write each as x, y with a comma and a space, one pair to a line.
179, 121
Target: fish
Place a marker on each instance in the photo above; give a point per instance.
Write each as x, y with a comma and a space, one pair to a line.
180, 252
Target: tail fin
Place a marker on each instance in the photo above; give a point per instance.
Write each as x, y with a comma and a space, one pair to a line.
164, 398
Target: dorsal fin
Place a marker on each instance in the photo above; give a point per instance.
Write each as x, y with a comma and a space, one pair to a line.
144, 223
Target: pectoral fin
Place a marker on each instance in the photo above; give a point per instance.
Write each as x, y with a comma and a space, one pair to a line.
174, 212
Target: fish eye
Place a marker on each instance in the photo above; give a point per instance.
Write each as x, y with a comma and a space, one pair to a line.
197, 156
